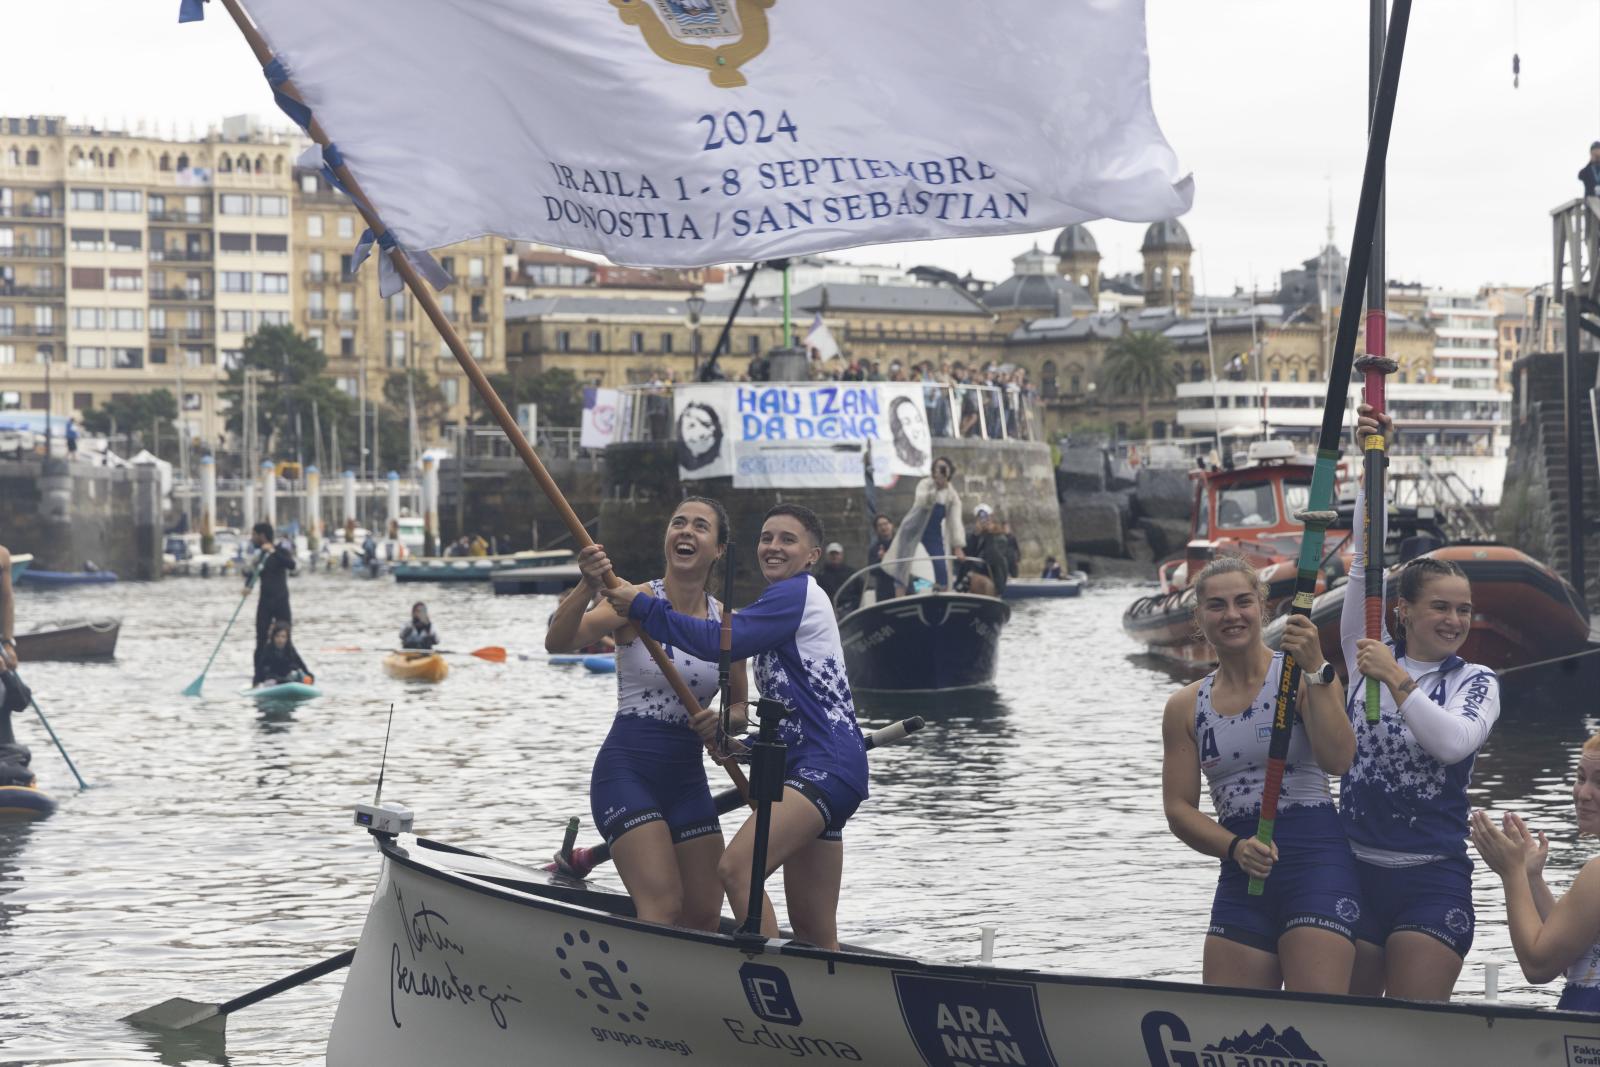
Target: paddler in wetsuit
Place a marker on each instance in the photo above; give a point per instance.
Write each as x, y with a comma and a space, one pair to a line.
278, 661
273, 574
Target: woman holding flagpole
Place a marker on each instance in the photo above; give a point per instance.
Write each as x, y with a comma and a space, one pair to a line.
1299, 934
1404, 800
648, 792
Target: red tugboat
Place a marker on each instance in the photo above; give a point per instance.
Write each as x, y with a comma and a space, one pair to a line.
1247, 511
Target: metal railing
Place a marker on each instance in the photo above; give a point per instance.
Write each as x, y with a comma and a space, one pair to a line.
32, 251
189, 218
180, 255
32, 290
490, 442
181, 294
31, 211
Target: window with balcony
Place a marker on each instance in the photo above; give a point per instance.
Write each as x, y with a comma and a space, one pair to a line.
451, 388
127, 280
88, 240
347, 342
666, 342
8, 354
194, 357
475, 343
126, 241
563, 341
395, 348
594, 341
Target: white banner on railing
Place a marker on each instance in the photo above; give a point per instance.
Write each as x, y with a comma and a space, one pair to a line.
789, 435
599, 418
694, 132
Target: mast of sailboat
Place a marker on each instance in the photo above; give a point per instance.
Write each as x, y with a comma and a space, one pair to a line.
1375, 366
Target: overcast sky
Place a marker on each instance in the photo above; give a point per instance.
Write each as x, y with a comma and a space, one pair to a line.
1264, 101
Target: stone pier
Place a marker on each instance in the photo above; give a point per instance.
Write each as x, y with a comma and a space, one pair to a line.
69, 513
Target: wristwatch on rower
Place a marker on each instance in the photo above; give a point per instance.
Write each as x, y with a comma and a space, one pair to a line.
1321, 677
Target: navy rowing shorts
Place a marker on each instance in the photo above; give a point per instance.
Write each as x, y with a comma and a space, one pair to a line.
1314, 883
835, 800
1431, 898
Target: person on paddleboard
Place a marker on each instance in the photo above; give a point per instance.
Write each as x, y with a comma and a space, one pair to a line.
278, 662
648, 791
1300, 932
419, 633
272, 577
791, 632
1404, 800
1549, 935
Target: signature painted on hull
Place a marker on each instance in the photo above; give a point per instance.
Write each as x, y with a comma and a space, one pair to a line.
417, 976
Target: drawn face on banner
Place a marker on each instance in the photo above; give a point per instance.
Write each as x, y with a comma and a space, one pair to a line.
909, 427
699, 436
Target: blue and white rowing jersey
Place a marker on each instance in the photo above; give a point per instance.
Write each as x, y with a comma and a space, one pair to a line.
1404, 799
791, 633
1233, 754
642, 690
1582, 991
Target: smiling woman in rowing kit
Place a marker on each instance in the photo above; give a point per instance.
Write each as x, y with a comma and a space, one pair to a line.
1550, 935
791, 632
1404, 801
1299, 933
648, 792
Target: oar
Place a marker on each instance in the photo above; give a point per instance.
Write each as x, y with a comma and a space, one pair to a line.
1318, 516
193, 688
429, 303
492, 653
181, 1014
578, 862
47, 729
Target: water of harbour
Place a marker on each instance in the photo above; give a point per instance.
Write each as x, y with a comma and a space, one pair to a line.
216, 853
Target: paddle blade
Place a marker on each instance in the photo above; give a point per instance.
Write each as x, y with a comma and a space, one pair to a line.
193, 688
180, 1014
493, 653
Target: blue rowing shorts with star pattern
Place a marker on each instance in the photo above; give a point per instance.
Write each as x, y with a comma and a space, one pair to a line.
649, 771
1314, 883
1429, 898
831, 797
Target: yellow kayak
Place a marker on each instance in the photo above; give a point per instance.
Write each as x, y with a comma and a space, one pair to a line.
416, 666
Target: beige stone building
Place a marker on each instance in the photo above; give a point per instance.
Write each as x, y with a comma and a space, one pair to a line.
368, 338
130, 263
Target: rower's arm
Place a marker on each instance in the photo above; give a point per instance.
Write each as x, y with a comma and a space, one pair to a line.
1333, 740
572, 628
1353, 613
1180, 780
738, 696
1545, 949
773, 619
1455, 731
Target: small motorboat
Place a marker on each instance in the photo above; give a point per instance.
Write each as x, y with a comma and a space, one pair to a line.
1035, 589
601, 663
529, 581
53, 579
92, 639
413, 666
474, 568
282, 693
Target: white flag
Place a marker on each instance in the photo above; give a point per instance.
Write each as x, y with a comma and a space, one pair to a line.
666, 132
599, 427
820, 344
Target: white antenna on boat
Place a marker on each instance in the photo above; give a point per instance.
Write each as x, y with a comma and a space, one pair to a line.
384, 821
377, 797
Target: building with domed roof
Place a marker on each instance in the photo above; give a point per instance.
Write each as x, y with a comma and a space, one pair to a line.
1036, 290
1078, 258
1167, 252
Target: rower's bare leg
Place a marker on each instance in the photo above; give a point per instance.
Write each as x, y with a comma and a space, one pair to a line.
796, 822
702, 889
1229, 963
1316, 961
647, 862
811, 880
1419, 967
1366, 979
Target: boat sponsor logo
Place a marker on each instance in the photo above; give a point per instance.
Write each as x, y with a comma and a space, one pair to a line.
1583, 1052
434, 966
768, 991
955, 1022
1167, 1041
600, 978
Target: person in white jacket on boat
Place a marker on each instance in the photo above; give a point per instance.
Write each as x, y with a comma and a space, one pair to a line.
1404, 799
934, 522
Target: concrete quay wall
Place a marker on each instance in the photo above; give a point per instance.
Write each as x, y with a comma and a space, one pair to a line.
68, 513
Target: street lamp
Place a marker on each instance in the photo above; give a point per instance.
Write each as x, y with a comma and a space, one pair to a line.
697, 304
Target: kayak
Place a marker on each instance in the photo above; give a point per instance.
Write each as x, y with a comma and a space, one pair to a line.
25, 802
282, 693
601, 663
416, 666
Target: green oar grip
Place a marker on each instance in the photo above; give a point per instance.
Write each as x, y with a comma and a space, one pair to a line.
1264, 835
1372, 700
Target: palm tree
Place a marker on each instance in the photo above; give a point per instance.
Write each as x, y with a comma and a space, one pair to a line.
1139, 363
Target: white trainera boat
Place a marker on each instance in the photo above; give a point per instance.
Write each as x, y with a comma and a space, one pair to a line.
467, 960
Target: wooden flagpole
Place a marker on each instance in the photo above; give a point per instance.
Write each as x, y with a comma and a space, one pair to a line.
430, 306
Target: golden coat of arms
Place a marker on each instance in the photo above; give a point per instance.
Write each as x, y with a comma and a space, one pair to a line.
719, 35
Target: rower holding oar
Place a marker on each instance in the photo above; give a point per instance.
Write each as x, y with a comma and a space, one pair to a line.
648, 791
791, 632
1299, 933
1404, 800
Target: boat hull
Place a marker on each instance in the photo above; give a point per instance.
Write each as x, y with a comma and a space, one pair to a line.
35, 576
930, 641
279, 695
473, 568
416, 666
529, 581
80, 642
19, 564
468, 961
601, 663
1032, 590
24, 802
1522, 611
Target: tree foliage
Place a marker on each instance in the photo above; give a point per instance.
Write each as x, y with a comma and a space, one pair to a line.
292, 378
137, 414
556, 390
1139, 363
